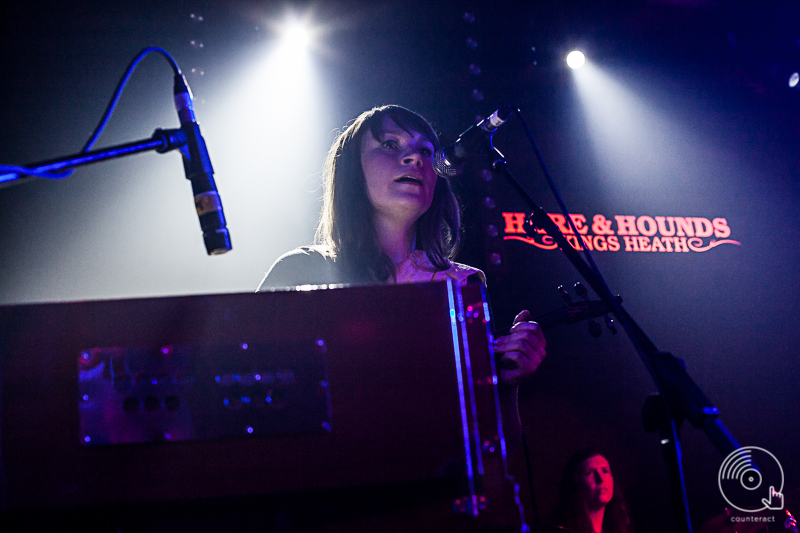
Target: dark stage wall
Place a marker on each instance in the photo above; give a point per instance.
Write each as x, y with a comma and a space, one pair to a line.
689, 114
728, 310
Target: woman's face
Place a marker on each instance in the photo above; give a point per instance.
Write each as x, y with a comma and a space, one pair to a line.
596, 482
398, 170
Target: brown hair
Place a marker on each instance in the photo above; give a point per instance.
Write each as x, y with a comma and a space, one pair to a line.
570, 511
346, 228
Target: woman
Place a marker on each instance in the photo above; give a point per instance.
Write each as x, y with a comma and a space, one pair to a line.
588, 499
387, 217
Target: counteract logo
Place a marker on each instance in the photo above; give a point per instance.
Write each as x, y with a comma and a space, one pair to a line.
625, 232
751, 480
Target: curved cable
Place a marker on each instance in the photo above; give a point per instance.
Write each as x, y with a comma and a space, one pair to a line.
121, 86
103, 121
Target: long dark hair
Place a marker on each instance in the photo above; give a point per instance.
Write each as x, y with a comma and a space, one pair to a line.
570, 511
346, 228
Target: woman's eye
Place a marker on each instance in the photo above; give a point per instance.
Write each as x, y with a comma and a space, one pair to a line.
426, 152
390, 144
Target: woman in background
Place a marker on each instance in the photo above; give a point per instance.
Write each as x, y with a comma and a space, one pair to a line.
588, 499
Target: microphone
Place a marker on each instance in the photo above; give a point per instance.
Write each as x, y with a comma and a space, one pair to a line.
449, 161
198, 169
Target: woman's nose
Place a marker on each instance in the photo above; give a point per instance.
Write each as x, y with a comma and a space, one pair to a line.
412, 157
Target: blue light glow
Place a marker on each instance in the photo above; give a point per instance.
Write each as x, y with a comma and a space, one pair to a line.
470, 379
460, 380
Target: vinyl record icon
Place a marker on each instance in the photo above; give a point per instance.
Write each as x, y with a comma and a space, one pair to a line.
751, 480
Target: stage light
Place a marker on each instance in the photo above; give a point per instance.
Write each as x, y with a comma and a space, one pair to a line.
638, 149
273, 127
793, 79
296, 35
576, 59
292, 51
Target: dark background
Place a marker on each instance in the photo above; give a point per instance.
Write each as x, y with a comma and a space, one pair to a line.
711, 129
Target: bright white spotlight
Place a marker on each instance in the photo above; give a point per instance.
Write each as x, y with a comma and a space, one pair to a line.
793, 79
296, 35
290, 58
576, 59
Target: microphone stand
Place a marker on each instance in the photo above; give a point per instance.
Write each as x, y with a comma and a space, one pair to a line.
162, 141
678, 397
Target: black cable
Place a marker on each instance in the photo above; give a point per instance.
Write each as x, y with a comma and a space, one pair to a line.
559, 200
16, 169
121, 86
537, 520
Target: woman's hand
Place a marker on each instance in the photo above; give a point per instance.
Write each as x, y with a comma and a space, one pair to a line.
521, 351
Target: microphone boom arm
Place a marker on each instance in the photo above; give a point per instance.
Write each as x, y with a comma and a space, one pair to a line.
198, 168
161, 141
680, 396
196, 161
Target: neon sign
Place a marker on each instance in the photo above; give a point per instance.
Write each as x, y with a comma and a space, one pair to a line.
625, 232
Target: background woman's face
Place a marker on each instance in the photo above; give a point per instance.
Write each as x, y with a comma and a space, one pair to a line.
398, 170
596, 481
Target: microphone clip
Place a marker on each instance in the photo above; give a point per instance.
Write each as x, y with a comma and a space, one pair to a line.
476, 140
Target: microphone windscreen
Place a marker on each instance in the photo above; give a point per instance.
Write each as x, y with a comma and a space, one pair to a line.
445, 168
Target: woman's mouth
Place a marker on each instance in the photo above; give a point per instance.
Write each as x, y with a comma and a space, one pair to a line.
409, 179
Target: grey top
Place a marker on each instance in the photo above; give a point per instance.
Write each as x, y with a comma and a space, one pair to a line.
309, 265
302, 266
